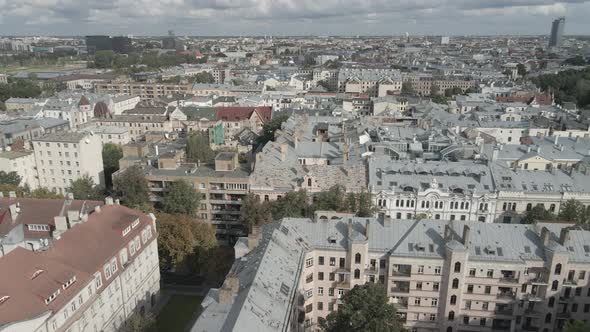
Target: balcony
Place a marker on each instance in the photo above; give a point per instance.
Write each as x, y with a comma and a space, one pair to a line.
539, 280
404, 290
372, 270
508, 280
342, 284
564, 315
570, 283
506, 296
533, 297
532, 312
530, 328
504, 311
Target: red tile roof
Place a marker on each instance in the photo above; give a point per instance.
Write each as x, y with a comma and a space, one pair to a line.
240, 113
81, 251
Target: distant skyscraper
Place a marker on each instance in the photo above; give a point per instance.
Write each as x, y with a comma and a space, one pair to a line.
557, 32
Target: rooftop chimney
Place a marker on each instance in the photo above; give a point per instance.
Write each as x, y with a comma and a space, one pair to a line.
157, 150
14, 211
70, 196
564, 235
545, 236
283, 151
556, 140
12, 194
108, 200
230, 287
97, 209
254, 237
466, 231
367, 228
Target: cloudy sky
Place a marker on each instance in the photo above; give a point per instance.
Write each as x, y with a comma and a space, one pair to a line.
290, 17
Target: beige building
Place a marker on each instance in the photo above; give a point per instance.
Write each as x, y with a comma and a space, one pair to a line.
137, 125
21, 162
64, 157
143, 90
441, 275
96, 268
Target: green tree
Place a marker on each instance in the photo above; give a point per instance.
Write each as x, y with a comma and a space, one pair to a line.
181, 198
269, 129
183, 242
576, 326
104, 59
292, 205
521, 68
537, 213
10, 178
407, 88
334, 199
111, 154
254, 212
324, 84
85, 188
20, 89
450, 92
131, 187
203, 77
434, 90
198, 148
573, 211
43, 192
363, 308
365, 206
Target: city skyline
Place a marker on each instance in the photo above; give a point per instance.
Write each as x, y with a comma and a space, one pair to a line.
234, 18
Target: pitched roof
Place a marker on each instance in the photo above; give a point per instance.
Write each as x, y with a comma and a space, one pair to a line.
240, 113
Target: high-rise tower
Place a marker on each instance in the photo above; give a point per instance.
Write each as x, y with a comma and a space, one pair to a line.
557, 32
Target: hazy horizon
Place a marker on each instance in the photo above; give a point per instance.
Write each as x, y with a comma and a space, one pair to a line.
291, 17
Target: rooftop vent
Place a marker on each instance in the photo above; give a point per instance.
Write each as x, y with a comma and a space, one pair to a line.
36, 274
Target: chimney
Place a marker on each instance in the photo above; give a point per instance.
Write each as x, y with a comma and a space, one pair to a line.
61, 224
254, 237
528, 149
545, 236
466, 231
108, 200
555, 140
538, 149
70, 196
283, 151
157, 150
230, 287
495, 154
73, 216
97, 209
118, 202
12, 194
564, 235
448, 232
367, 228
14, 210
349, 228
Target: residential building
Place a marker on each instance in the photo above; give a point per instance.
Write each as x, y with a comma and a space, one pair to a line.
236, 119
64, 157
108, 134
441, 275
143, 90
21, 162
97, 265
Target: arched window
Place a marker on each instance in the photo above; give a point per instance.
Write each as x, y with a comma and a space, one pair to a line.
457, 267
357, 258
451, 315
558, 269
551, 302
357, 274
455, 283
555, 285
453, 299
449, 329
467, 206
309, 182
548, 318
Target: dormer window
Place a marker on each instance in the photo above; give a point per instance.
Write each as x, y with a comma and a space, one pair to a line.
52, 297
3, 299
36, 274
38, 228
126, 230
135, 223
69, 282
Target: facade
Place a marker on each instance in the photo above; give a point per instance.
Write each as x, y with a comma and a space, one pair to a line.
557, 28
136, 124
143, 90
372, 82
23, 163
441, 275
114, 135
96, 267
3, 79
64, 157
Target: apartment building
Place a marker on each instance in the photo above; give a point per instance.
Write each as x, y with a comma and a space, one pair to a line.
97, 266
422, 85
21, 162
137, 125
109, 134
372, 82
64, 157
222, 185
143, 90
441, 275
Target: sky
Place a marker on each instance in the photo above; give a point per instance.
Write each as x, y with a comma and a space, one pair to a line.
290, 17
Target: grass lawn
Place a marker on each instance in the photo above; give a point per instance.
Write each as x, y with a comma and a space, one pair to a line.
178, 313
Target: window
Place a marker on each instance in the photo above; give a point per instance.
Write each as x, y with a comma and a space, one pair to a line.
469, 289
490, 273
420, 269
321, 260
320, 305
488, 289
309, 278
435, 286
331, 291
357, 274
451, 315
357, 258
437, 270
308, 293
551, 302
342, 262
332, 276
97, 280
320, 275
419, 285
466, 320
558, 269
453, 299
332, 261
457, 267
482, 321
432, 317
320, 291
455, 283
582, 275
107, 271
417, 301
309, 262
555, 285
434, 302
548, 318
485, 306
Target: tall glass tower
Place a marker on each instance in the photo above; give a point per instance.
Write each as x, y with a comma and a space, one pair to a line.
557, 32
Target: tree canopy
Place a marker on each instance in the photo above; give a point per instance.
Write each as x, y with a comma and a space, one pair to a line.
10, 178
573, 211
568, 86
198, 149
269, 129
537, 213
181, 198
363, 308
85, 188
575, 326
43, 192
202, 77
407, 87
19, 88
131, 187
111, 154
255, 212
183, 242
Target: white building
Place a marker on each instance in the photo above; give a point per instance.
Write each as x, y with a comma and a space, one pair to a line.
109, 134
21, 162
64, 157
91, 275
